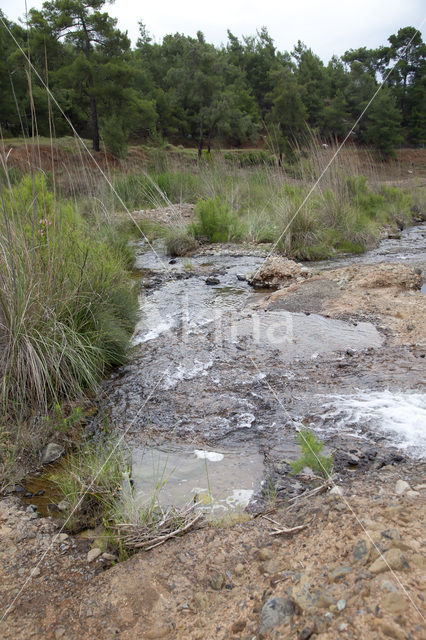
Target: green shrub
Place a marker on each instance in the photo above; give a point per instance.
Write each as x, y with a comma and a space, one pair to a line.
179, 243
311, 455
216, 221
67, 304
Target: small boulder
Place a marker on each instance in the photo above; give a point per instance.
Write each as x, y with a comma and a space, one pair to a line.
51, 452
401, 486
93, 554
275, 612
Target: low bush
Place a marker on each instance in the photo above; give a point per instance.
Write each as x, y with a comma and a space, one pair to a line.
311, 455
180, 243
67, 304
216, 222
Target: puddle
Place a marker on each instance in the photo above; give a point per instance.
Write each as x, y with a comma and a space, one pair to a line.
221, 480
45, 494
299, 336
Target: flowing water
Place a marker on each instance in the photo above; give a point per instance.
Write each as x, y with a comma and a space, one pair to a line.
211, 373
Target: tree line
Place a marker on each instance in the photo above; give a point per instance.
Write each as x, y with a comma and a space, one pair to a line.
189, 91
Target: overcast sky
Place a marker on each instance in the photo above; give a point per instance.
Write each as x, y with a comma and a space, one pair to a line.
328, 26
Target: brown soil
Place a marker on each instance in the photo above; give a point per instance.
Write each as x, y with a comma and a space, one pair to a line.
388, 294
214, 583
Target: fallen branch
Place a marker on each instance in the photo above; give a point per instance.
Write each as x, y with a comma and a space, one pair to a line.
312, 492
160, 527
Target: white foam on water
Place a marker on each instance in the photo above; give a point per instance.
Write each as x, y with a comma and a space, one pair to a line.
211, 456
187, 373
401, 417
239, 498
245, 420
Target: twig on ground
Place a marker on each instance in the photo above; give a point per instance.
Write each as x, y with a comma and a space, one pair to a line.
300, 527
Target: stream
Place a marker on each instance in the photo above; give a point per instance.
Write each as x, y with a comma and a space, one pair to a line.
216, 390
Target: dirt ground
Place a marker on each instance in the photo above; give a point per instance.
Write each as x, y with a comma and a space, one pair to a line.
326, 580
387, 294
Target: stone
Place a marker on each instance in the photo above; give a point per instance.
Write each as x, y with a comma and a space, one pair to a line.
274, 565
109, 557
35, 572
306, 633
412, 494
401, 486
201, 600
392, 559
339, 573
241, 277
238, 626
217, 580
93, 554
364, 551
63, 505
336, 491
239, 569
51, 452
419, 560
394, 602
419, 487
389, 629
341, 604
266, 553
275, 612
343, 626
211, 280
387, 585
62, 537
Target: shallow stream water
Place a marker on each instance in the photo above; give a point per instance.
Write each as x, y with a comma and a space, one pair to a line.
210, 373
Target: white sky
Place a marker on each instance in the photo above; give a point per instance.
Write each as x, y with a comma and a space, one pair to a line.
327, 26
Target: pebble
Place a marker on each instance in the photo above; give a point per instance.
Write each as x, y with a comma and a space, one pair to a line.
239, 569
401, 486
217, 580
392, 559
336, 491
266, 553
275, 612
93, 554
339, 573
394, 602
212, 280
341, 604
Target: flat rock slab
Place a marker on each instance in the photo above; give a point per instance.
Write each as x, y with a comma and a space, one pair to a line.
308, 298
